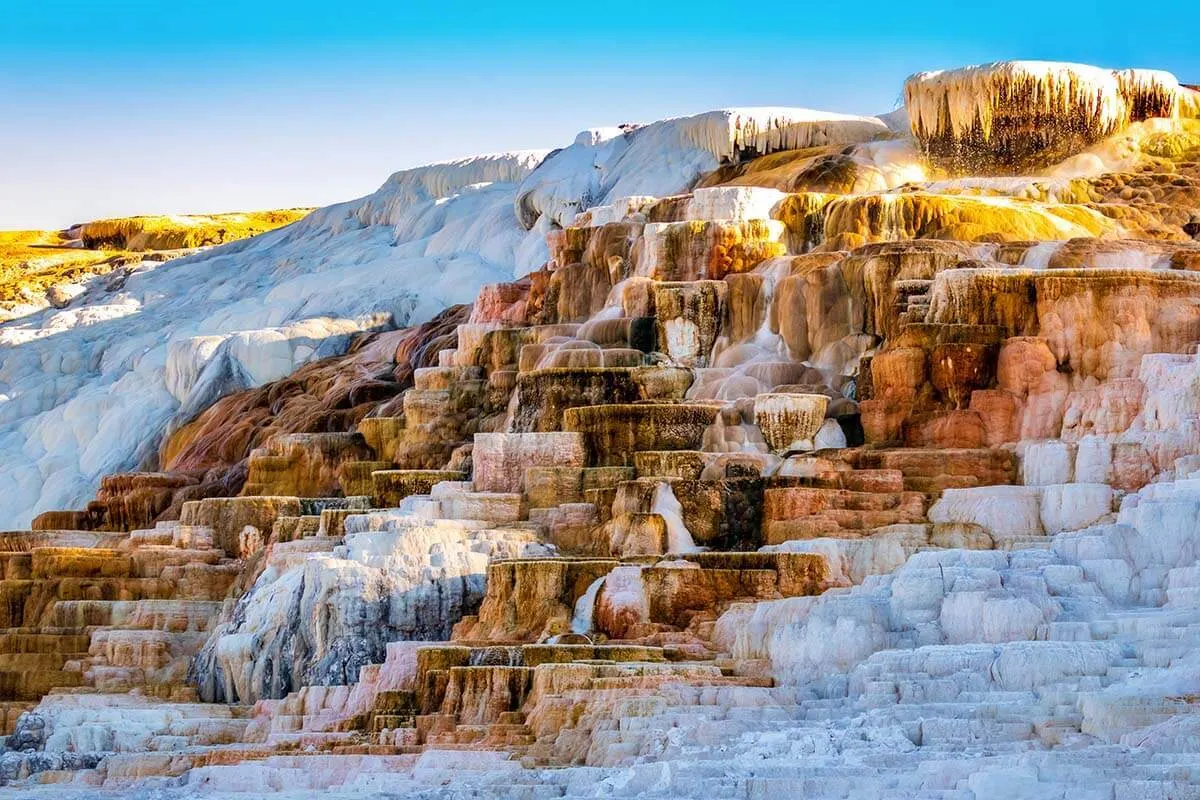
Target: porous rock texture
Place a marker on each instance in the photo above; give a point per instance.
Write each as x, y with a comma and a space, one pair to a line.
779, 454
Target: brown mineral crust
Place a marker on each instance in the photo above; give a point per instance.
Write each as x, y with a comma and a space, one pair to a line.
331, 396
613, 433
207, 457
528, 599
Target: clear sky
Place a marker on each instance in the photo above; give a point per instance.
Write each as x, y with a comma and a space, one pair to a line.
140, 106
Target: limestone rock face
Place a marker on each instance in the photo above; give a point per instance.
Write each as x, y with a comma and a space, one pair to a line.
543, 395
875, 218
1069, 309
500, 459
613, 433
527, 600
781, 423
813, 306
389, 487
303, 465
690, 316
698, 249
724, 512
128, 501
790, 421
679, 591
228, 518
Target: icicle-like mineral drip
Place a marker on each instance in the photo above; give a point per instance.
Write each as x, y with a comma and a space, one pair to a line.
1149, 93
666, 505
1016, 115
733, 131
585, 608
952, 102
773, 271
1038, 256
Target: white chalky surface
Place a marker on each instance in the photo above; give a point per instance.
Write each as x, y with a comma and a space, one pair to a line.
1065, 671
1063, 664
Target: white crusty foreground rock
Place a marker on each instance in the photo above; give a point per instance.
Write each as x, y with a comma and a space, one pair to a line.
318, 617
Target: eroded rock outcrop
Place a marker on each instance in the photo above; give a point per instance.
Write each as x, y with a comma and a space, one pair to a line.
317, 617
820, 427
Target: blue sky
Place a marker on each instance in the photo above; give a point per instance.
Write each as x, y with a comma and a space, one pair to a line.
148, 107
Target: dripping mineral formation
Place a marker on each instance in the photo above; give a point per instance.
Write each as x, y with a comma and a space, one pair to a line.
766, 452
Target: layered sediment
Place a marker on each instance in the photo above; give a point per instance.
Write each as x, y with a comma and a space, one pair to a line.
821, 460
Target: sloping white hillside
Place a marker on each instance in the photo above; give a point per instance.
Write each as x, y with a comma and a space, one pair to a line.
89, 389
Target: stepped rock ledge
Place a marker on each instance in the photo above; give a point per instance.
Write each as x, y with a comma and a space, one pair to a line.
765, 452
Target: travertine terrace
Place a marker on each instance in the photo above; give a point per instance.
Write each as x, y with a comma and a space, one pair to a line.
760, 453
